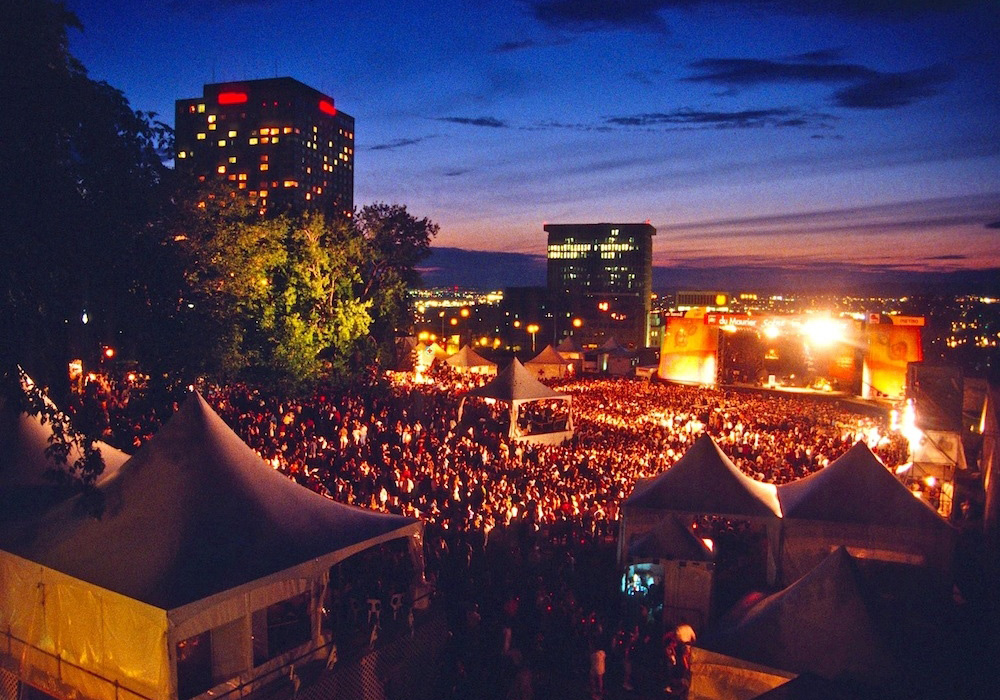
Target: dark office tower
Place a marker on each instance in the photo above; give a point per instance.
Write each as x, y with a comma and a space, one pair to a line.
602, 274
282, 142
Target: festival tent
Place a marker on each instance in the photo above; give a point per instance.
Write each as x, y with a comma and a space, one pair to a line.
202, 546
468, 360
704, 481
685, 564
516, 387
820, 624
570, 348
989, 428
855, 501
30, 480
549, 364
427, 354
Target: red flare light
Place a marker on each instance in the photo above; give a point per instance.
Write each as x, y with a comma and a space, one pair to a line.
326, 107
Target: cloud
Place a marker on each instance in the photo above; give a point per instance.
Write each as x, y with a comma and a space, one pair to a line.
591, 15
887, 90
743, 72
865, 88
645, 15
724, 120
993, 224
818, 56
491, 122
397, 143
510, 46
945, 257
456, 173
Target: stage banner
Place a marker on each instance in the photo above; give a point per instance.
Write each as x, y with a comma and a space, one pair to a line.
688, 352
890, 348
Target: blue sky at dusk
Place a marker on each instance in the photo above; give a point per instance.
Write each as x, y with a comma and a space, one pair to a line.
756, 132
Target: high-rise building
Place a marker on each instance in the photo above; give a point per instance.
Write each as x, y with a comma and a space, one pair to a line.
281, 141
602, 274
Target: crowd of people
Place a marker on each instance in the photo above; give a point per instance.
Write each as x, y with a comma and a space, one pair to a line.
506, 522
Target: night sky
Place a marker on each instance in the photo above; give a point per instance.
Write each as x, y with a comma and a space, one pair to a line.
797, 133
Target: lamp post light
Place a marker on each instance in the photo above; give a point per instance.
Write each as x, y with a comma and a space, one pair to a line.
532, 328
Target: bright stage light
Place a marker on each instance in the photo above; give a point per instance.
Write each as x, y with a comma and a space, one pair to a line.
771, 332
823, 332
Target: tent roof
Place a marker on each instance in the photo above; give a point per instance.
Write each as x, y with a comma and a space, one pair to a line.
548, 356
705, 480
515, 383
569, 344
856, 488
671, 539
197, 512
610, 345
26, 484
819, 624
467, 357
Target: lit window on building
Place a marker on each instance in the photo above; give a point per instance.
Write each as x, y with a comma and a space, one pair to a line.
200, 137
222, 142
221, 169
232, 159
253, 141
211, 118
201, 108
264, 166
232, 134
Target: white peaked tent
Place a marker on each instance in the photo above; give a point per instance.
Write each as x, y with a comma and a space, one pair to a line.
467, 360
27, 486
855, 501
200, 539
570, 348
820, 624
549, 364
704, 481
515, 386
687, 566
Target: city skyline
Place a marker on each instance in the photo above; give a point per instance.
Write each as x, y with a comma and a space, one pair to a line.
769, 134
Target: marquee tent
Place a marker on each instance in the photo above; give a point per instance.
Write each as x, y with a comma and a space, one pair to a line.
468, 360
516, 387
820, 624
855, 501
202, 544
570, 348
27, 483
686, 566
549, 364
704, 481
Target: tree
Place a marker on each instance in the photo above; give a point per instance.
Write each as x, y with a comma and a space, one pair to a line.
271, 298
81, 174
395, 243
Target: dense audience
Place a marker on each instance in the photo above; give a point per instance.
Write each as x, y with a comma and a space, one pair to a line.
402, 450
515, 532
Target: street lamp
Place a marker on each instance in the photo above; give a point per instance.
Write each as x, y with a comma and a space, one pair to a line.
532, 328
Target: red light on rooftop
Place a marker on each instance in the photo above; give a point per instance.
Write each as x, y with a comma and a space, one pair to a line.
232, 98
326, 107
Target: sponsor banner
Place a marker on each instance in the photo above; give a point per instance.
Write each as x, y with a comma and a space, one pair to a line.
907, 320
890, 349
688, 351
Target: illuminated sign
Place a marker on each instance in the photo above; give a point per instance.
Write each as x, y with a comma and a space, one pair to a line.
232, 98
907, 320
736, 320
326, 107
